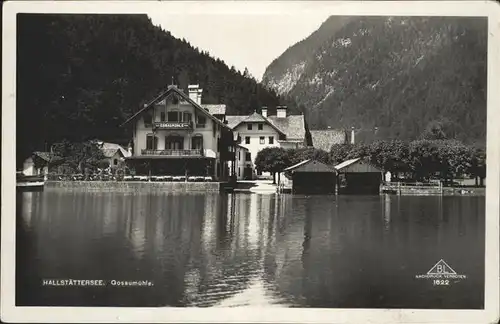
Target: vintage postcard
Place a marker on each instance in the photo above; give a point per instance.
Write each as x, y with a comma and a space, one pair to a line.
250, 161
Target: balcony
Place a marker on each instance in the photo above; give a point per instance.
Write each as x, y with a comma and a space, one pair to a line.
196, 152
173, 125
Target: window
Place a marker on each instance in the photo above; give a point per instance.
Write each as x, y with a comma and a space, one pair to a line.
115, 162
261, 126
174, 142
173, 116
239, 155
239, 172
197, 142
262, 140
186, 117
248, 156
148, 119
249, 126
200, 123
271, 140
162, 116
151, 142
247, 139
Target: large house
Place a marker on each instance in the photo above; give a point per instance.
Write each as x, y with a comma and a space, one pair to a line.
258, 131
175, 135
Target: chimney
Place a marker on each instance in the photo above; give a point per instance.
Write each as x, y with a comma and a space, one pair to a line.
281, 111
352, 135
200, 93
264, 112
194, 93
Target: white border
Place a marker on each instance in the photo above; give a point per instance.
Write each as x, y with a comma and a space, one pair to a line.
10, 313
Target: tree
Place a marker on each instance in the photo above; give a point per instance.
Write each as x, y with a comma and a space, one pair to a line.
79, 155
339, 153
389, 156
272, 159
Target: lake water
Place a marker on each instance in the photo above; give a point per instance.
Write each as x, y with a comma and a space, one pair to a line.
248, 249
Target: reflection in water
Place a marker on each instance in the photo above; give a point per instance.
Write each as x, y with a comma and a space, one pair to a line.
248, 249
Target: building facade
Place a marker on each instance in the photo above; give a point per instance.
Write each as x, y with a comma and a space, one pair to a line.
259, 130
175, 135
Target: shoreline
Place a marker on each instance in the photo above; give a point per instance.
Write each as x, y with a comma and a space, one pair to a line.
264, 188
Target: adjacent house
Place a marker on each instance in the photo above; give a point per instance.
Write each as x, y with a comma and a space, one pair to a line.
174, 134
114, 153
258, 131
241, 161
324, 139
40, 163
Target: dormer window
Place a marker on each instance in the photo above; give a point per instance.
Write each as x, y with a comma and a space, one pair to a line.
249, 126
261, 126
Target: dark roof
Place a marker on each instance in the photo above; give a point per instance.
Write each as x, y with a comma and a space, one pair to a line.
324, 139
233, 121
292, 126
310, 166
215, 109
46, 156
173, 89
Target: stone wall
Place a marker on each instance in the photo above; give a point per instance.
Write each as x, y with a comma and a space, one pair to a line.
137, 186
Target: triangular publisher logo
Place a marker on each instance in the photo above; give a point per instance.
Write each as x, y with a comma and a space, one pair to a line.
441, 268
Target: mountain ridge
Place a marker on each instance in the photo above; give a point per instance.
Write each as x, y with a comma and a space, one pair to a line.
396, 74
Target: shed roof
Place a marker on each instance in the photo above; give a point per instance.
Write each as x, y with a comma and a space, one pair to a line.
310, 166
346, 163
358, 165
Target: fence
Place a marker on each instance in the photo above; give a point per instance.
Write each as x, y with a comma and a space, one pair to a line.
110, 177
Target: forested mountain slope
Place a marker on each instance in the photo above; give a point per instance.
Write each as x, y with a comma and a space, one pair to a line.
81, 76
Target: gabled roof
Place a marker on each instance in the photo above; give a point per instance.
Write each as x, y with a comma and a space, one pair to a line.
324, 139
173, 89
310, 166
255, 117
47, 156
215, 109
109, 149
292, 126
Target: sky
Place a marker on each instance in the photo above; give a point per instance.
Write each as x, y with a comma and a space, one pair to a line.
251, 41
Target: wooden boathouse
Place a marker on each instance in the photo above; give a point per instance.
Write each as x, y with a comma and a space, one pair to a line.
357, 176
310, 177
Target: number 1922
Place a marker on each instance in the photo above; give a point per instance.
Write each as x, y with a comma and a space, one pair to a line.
439, 282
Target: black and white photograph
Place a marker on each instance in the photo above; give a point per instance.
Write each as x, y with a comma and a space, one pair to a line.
218, 157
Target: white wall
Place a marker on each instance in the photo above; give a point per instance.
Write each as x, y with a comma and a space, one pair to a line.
254, 147
141, 132
28, 167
